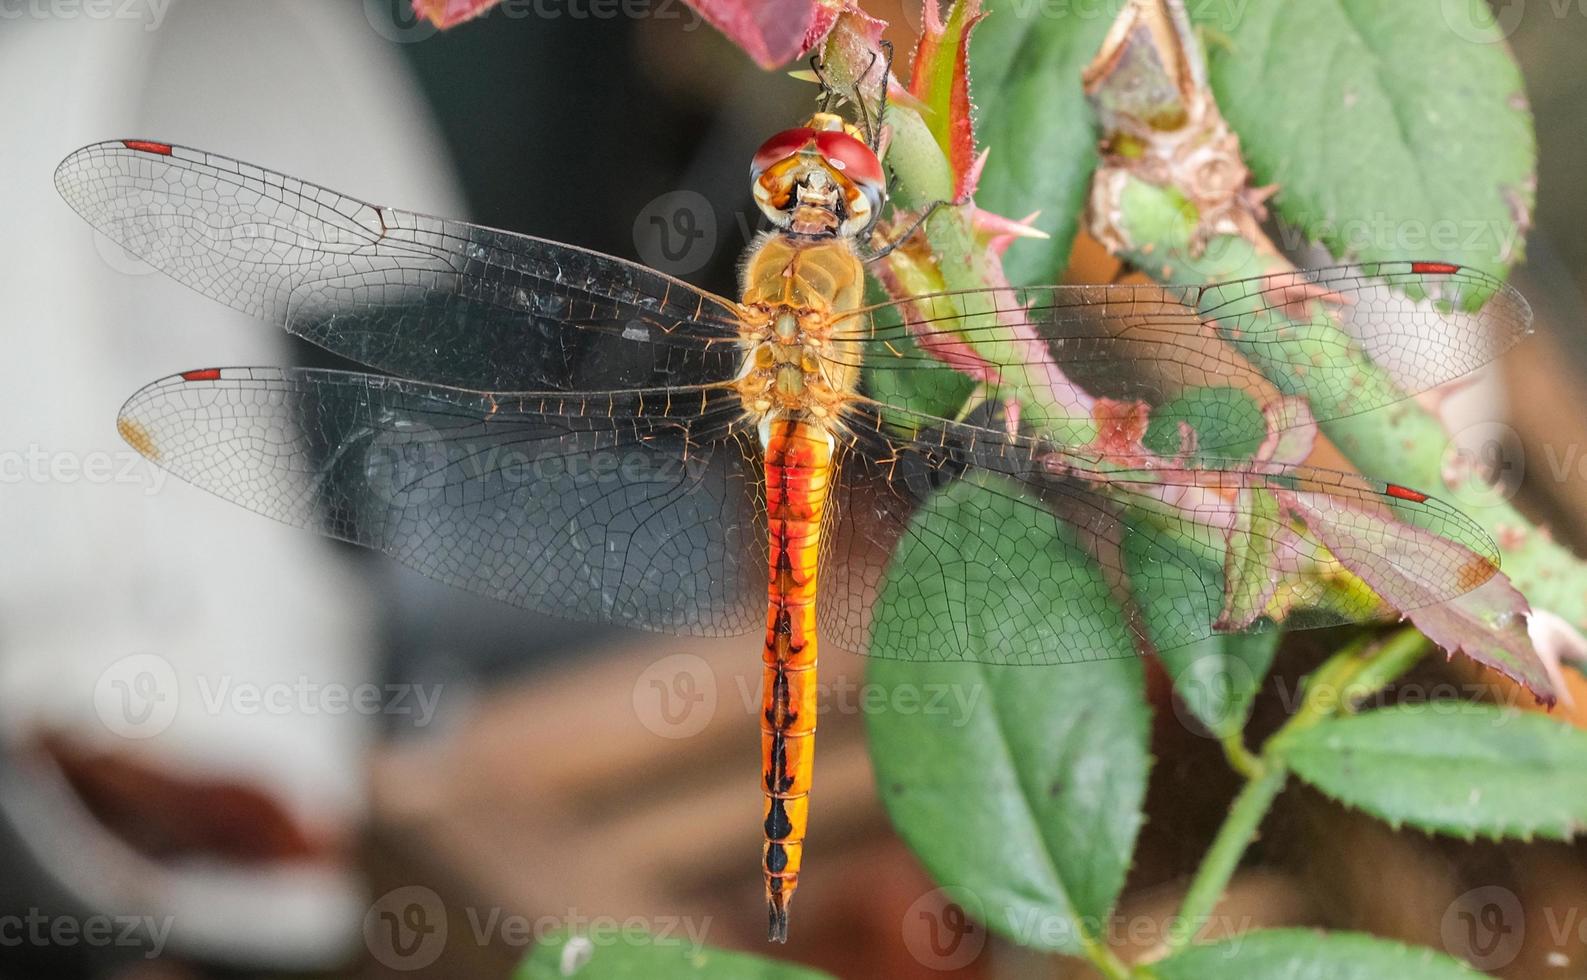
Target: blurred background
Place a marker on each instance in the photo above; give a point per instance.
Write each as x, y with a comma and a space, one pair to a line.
232, 749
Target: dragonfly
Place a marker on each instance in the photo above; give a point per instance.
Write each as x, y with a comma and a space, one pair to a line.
580, 435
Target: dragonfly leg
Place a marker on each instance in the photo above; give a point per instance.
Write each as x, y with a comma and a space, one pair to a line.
884, 251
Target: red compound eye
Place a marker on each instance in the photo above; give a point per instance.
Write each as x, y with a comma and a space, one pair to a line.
780, 147
853, 158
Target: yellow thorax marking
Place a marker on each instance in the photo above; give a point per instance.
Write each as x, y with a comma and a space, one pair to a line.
798, 361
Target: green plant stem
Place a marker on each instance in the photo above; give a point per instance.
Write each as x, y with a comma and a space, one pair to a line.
1238, 830
1103, 958
1241, 759
1398, 654
1356, 672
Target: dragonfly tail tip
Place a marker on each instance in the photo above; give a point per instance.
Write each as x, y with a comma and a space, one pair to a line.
776, 919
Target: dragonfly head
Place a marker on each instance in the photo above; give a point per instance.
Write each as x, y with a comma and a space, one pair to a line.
819, 179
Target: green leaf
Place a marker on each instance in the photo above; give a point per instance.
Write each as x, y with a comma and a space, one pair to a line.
1217, 678
1025, 64
1228, 423
930, 387
1025, 805
635, 955
1300, 954
1255, 555
1451, 767
988, 573
1393, 129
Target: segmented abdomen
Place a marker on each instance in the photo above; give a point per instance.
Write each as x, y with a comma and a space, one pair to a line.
798, 477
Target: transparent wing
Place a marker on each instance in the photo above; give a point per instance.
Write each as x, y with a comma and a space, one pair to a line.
416, 296
995, 550
1424, 323
633, 508
638, 509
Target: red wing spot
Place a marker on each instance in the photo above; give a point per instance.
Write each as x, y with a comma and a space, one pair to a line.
148, 146
1406, 493
208, 374
1434, 268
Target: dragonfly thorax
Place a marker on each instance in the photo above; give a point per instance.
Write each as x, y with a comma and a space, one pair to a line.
800, 361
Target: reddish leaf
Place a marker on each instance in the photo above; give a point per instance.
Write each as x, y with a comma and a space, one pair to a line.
915, 280
450, 13
1291, 432
1487, 623
854, 57
940, 80
773, 32
1121, 426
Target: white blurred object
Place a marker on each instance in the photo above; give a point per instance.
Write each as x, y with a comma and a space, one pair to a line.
106, 558
1557, 642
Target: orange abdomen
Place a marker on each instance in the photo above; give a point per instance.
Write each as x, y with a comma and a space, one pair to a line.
798, 477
